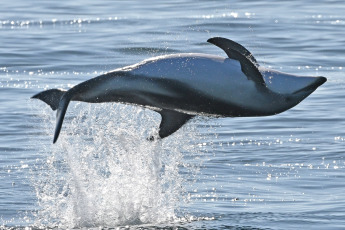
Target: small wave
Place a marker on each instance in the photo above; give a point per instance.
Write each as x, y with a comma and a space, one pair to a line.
14, 24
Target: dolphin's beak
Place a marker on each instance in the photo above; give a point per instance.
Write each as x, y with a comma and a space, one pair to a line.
313, 86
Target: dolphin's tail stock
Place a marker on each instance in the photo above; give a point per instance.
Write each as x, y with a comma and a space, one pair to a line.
57, 100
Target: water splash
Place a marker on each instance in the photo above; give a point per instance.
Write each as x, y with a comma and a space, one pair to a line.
103, 171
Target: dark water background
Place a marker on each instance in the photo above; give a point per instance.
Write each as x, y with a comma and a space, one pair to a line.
280, 172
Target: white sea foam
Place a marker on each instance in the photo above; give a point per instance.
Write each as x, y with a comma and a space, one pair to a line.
103, 171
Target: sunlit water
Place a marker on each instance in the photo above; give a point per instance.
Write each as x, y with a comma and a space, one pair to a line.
280, 172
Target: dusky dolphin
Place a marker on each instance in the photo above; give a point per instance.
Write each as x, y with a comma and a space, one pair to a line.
181, 86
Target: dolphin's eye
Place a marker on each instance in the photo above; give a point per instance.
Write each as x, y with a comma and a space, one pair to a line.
288, 98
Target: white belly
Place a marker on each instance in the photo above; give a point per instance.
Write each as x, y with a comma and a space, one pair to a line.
221, 78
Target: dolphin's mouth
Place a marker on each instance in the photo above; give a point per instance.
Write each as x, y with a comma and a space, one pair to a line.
319, 81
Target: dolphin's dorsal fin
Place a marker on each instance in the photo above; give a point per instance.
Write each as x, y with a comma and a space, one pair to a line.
247, 65
228, 45
171, 122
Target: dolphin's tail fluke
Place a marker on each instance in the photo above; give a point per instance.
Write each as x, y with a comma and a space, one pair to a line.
60, 114
57, 100
51, 97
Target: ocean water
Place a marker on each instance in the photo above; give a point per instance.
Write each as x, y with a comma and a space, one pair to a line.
281, 172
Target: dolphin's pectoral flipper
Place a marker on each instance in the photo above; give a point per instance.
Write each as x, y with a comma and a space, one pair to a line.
51, 97
248, 68
171, 122
228, 46
247, 65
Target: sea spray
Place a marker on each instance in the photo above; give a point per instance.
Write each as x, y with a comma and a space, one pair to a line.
104, 172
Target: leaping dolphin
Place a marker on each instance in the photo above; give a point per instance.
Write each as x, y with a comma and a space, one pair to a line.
181, 86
